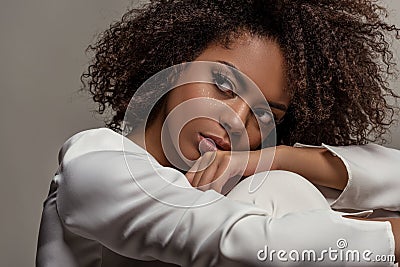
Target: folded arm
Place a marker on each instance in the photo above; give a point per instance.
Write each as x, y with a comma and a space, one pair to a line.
368, 175
136, 213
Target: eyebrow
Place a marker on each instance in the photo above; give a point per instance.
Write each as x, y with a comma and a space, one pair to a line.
271, 103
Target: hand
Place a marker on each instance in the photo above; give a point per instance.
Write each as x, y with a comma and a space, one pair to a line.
214, 169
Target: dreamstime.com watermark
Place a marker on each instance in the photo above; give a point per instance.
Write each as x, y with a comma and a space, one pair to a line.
331, 254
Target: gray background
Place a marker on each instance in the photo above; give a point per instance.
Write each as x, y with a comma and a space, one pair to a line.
42, 56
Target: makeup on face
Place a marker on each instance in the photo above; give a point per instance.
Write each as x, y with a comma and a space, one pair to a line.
261, 61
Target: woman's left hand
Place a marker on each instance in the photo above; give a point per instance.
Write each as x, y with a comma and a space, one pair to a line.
213, 169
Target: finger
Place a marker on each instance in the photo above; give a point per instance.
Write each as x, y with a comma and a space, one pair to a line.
208, 175
228, 174
198, 172
221, 177
189, 176
207, 160
192, 171
197, 178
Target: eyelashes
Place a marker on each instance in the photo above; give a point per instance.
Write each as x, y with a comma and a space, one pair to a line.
224, 83
265, 116
227, 87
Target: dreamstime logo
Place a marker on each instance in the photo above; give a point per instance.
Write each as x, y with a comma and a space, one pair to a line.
190, 77
341, 243
326, 255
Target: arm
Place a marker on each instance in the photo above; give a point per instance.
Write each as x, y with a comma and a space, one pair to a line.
318, 165
99, 200
369, 175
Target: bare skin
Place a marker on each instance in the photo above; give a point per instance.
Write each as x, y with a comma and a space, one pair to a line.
262, 61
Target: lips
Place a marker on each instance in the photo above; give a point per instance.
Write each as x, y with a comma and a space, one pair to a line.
213, 141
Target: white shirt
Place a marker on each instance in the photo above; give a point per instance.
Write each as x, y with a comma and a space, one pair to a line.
97, 215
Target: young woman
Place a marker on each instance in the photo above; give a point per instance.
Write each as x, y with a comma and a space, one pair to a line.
321, 66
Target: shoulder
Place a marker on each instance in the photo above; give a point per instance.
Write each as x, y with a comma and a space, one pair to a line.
96, 140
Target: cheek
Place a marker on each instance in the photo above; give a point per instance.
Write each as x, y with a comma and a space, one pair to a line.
255, 141
173, 100
188, 138
189, 91
254, 135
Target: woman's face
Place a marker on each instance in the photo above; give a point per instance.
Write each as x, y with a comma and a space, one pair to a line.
231, 121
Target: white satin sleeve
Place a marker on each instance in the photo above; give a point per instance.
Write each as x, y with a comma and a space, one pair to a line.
98, 199
374, 177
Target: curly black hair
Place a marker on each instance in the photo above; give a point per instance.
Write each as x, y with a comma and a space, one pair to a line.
337, 59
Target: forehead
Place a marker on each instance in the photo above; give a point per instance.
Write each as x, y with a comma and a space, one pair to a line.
259, 58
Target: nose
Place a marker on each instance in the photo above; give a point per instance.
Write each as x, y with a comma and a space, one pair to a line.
235, 120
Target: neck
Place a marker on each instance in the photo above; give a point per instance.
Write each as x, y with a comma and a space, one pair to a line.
151, 141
